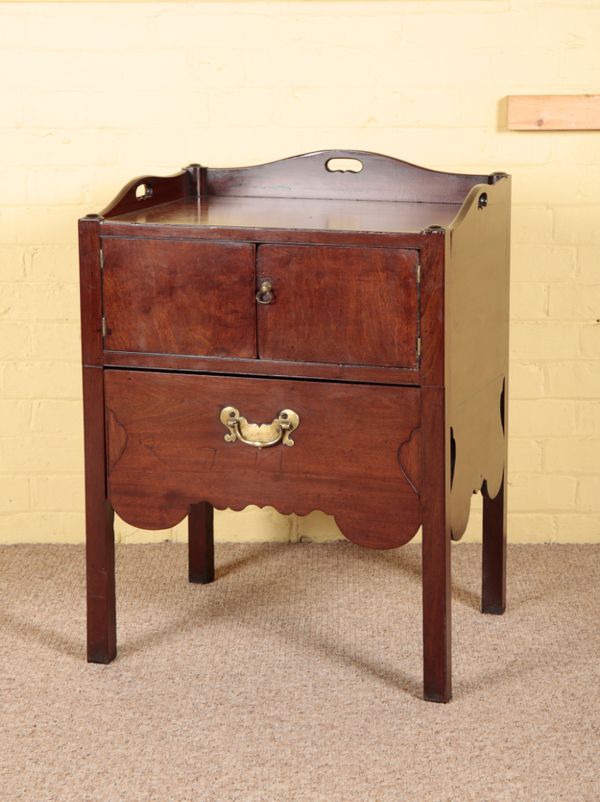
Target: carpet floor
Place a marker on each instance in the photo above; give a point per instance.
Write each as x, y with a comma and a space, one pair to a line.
296, 677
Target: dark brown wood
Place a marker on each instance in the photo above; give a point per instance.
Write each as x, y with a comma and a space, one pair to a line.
150, 190
493, 587
432, 364
387, 332
341, 305
100, 556
201, 544
437, 668
381, 178
179, 297
167, 450
100, 542
364, 374
322, 216
90, 290
143, 230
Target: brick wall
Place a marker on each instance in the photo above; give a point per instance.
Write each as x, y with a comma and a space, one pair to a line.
96, 93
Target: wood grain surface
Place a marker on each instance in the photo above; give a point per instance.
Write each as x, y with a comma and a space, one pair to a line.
99, 534
179, 297
389, 439
274, 368
299, 214
309, 176
356, 306
554, 112
167, 451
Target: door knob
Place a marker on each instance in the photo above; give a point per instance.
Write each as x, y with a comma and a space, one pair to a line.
265, 292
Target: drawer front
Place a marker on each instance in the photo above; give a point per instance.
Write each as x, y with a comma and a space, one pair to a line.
353, 452
354, 306
178, 297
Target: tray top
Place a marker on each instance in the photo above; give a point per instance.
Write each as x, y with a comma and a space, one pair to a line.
326, 191
314, 214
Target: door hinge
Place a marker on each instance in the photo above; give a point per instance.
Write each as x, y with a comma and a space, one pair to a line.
104, 327
418, 347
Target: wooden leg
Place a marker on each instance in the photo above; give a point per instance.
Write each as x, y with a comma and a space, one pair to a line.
493, 590
437, 662
100, 541
100, 571
201, 549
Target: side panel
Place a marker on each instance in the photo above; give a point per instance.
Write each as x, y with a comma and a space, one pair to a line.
477, 321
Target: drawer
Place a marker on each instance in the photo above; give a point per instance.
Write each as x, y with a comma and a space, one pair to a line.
354, 453
178, 297
354, 306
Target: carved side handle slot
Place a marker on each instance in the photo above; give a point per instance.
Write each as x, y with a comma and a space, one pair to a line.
143, 191
343, 165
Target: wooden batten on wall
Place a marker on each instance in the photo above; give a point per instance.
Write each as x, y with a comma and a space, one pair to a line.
553, 112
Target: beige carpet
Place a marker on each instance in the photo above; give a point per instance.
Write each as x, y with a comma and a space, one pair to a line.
296, 677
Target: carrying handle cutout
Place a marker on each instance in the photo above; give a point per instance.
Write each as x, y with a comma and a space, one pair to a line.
143, 191
340, 165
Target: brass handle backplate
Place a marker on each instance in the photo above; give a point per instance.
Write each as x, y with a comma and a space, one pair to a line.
259, 435
265, 292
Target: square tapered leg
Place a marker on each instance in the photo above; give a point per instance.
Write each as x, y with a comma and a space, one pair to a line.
437, 650
201, 548
99, 536
493, 592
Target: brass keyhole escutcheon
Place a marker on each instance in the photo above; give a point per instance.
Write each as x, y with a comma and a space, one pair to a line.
265, 292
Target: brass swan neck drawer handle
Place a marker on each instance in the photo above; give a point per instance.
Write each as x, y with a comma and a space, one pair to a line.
259, 435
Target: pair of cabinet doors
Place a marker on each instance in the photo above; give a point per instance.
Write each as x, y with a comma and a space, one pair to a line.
327, 304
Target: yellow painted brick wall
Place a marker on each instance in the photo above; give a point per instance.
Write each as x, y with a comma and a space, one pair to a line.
93, 94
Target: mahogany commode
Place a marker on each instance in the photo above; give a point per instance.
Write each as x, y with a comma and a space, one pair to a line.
305, 337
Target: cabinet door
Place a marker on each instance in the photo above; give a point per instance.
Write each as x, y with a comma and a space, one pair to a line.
345, 305
179, 297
